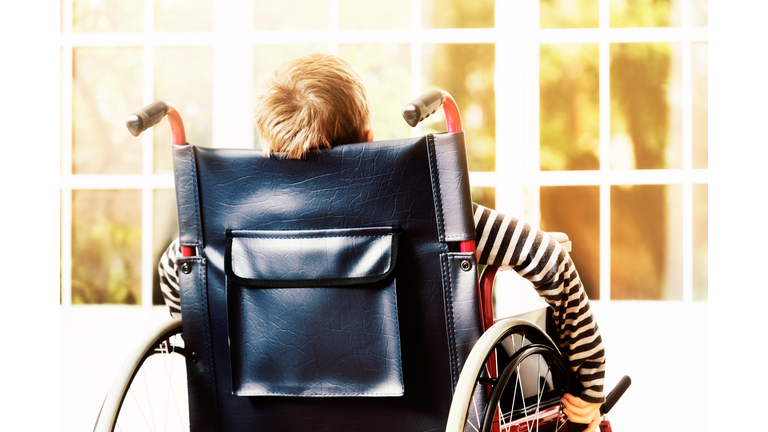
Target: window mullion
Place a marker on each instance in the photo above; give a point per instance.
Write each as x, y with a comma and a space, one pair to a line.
416, 56
604, 75
232, 81
533, 96
516, 74
66, 153
148, 96
687, 132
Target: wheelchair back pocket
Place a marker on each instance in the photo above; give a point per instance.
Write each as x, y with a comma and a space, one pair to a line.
313, 313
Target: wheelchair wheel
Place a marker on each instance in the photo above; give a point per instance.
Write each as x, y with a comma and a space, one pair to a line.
512, 382
150, 392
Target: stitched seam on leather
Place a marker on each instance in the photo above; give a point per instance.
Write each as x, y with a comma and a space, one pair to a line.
399, 352
440, 185
449, 321
436, 193
457, 167
196, 199
461, 281
202, 286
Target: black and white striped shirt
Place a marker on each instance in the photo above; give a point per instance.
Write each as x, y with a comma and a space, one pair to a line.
532, 253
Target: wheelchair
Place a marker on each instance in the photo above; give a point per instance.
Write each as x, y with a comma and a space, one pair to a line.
337, 293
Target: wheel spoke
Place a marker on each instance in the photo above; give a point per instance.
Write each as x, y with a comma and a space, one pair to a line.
477, 410
149, 399
141, 411
170, 349
538, 385
522, 396
170, 392
541, 393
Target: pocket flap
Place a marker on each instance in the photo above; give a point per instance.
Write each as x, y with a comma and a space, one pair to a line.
316, 258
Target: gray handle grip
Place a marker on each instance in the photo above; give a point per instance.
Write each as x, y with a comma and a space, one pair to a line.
423, 106
146, 117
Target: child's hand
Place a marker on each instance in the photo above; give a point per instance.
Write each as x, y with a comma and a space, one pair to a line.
580, 411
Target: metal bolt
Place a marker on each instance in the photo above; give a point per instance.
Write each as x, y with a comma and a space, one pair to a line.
193, 357
466, 265
186, 268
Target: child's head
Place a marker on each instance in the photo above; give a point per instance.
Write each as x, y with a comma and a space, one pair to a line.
315, 101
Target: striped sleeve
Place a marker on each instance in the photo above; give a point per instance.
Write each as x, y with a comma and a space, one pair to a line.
169, 279
535, 255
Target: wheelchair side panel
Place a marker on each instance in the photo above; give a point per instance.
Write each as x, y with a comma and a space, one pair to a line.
201, 378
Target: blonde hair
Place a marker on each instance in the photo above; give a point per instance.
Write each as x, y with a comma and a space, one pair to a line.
312, 102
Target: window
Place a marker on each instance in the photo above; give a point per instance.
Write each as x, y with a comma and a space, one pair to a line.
584, 116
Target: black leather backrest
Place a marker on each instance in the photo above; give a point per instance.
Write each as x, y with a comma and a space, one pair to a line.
417, 186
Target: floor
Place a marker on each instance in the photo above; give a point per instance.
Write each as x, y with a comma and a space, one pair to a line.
661, 345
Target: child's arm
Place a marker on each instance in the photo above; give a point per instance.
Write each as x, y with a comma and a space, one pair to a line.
532, 253
169, 279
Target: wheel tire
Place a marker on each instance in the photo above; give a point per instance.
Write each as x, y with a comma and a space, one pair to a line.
160, 354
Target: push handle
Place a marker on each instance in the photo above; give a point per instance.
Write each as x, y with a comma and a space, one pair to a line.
146, 117
428, 104
615, 394
151, 115
422, 107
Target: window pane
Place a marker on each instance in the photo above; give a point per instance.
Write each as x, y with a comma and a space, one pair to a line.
106, 246
646, 13
466, 71
386, 69
569, 13
374, 14
165, 228
183, 15
699, 13
485, 196
291, 15
646, 116
575, 210
569, 107
457, 13
646, 238
108, 15
107, 88
700, 242
268, 57
183, 78
700, 97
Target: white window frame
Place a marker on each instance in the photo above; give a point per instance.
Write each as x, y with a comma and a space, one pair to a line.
517, 39
525, 124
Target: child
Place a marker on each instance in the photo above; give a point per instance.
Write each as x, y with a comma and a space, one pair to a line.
318, 101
